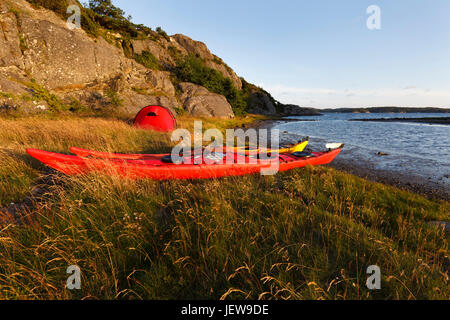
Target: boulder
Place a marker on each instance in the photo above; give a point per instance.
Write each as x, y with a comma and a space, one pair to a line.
133, 103
198, 101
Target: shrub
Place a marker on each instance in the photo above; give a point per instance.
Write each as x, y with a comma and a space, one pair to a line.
114, 97
106, 8
88, 22
127, 48
40, 93
162, 33
147, 59
193, 69
175, 53
113, 18
59, 7
99, 14
76, 106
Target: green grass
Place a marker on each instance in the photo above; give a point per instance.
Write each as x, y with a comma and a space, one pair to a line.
16, 177
309, 233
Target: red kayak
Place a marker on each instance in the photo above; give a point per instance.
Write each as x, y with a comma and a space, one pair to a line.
160, 168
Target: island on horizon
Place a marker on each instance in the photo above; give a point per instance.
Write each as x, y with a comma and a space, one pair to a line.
391, 109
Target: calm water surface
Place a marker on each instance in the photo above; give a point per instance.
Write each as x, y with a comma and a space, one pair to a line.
417, 149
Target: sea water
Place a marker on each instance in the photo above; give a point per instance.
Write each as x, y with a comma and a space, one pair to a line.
409, 148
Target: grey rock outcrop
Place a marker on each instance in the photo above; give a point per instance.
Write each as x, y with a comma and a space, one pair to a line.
10, 53
38, 50
200, 102
135, 102
261, 103
9, 86
70, 63
294, 110
57, 57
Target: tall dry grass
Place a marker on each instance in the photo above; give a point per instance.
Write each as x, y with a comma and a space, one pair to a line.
305, 234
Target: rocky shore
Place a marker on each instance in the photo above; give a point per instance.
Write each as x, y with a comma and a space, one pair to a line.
363, 168
415, 184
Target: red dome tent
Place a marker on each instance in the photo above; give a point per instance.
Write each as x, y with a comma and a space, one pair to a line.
155, 118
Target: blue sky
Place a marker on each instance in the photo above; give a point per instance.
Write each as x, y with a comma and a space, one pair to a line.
320, 53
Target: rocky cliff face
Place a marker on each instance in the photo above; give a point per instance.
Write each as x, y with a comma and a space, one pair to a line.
199, 101
44, 64
294, 110
38, 45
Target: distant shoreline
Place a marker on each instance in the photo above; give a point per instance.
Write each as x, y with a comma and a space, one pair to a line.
364, 170
386, 110
435, 120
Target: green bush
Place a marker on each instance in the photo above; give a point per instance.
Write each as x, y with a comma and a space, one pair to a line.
6, 95
40, 93
162, 33
147, 59
193, 69
16, 12
114, 97
77, 107
88, 22
60, 6
175, 53
99, 14
113, 18
105, 8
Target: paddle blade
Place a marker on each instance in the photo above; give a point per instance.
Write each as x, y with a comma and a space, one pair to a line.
300, 147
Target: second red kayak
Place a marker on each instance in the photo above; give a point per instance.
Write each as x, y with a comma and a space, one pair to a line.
160, 168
